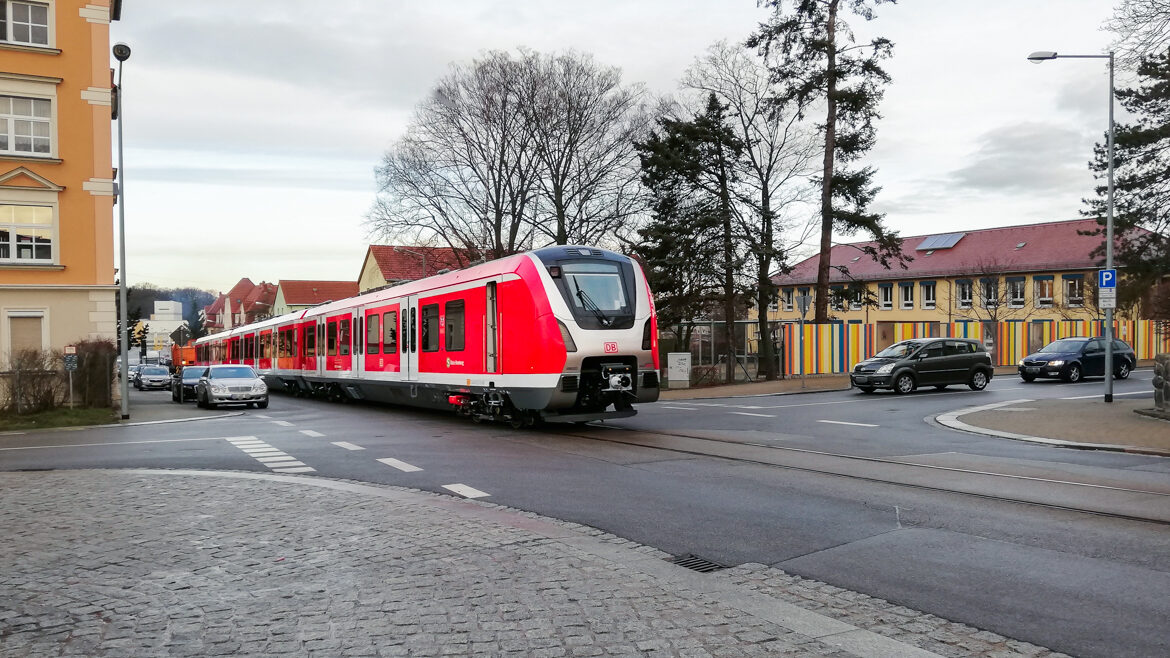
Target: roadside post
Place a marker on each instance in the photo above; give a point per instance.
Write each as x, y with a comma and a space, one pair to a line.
1107, 299
70, 366
802, 302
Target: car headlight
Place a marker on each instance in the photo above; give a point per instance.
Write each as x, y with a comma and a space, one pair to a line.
1021, 362
259, 387
1058, 362
885, 370
219, 389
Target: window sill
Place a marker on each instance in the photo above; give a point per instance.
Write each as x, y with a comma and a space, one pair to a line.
928, 308
32, 157
887, 308
28, 48
9, 265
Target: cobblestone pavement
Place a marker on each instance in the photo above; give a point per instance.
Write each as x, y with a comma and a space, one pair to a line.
143, 563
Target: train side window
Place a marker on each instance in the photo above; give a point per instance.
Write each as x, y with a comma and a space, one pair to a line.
430, 328
373, 333
311, 342
390, 328
331, 339
454, 338
343, 337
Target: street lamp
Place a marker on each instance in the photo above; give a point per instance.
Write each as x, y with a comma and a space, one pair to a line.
122, 53
1036, 58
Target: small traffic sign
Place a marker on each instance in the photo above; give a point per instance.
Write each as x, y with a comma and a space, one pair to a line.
70, 362
1107, 298
1107, 279
71, 349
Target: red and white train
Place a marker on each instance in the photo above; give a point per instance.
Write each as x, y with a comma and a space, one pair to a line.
562, 333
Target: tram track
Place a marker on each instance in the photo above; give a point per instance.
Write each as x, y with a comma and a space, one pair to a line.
1105, 500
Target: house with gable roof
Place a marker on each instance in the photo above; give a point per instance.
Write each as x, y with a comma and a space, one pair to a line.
246, 302
388, 264
297, 295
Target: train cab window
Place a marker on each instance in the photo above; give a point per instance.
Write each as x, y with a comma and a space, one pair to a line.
331, 339
390, 332
454, 338
373, 333
430, 328
343, 337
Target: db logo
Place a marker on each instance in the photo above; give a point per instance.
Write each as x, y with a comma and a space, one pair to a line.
611, 348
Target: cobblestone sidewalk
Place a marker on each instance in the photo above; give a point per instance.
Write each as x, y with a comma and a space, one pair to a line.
143, 563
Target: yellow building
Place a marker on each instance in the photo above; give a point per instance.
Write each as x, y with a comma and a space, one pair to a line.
1032, 273
56, 174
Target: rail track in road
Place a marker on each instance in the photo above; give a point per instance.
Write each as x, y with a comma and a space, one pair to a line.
1097, 498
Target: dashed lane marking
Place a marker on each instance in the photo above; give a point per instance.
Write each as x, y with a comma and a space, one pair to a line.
282, 423
347, 445
744, 413
263, 416
315, 435
400, 465
680, 408
465, 491
273, 458
1089, 397
841, 422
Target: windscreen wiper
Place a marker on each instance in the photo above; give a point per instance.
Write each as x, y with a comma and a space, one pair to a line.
591, 306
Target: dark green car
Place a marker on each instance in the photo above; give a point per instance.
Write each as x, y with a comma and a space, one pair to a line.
938, 362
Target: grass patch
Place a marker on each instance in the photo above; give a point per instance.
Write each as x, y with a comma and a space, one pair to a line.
63, 417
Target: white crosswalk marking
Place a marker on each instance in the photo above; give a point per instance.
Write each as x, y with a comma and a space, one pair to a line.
282, 423
744, 413
315, 435
347, 445
273, 458
400, 465
465, 491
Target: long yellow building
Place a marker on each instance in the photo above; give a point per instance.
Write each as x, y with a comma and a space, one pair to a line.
57, 187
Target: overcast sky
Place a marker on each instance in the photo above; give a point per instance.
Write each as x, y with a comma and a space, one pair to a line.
253, 128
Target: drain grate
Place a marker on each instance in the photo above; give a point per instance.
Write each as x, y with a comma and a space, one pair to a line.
696, 563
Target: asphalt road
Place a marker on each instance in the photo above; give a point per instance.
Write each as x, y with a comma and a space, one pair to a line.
1079, 583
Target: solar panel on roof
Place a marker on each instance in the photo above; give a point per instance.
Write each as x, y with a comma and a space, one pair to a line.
944, 241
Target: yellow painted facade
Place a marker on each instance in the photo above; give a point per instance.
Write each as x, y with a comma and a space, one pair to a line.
57, 178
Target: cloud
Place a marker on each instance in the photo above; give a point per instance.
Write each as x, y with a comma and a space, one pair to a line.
1036, 158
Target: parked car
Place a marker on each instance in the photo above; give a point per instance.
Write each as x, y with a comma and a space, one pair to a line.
937, 362
183, 383
132, 373
1074, 358
230, 384
152, 377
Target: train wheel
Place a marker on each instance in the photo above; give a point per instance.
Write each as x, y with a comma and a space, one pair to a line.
516, 421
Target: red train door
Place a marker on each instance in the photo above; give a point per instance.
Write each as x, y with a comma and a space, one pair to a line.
381, 339
339, 344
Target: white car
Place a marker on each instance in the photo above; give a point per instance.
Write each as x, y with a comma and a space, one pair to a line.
228, 384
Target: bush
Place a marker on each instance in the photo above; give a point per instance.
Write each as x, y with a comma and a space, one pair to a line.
93, 383
35, 382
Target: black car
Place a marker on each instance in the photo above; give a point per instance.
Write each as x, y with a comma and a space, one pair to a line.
183, 384
1074, 358
937, 362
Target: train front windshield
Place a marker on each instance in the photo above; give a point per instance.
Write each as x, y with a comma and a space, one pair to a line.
598, 292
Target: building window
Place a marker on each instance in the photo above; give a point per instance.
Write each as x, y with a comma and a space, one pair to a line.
25, 125
1043, 292
26, 234
928, 295
837, 299
855, 302
887, 297
1016, 293
787, 297
773, 305
1074, 292
965, 294
24, 22
907, 297
989, 293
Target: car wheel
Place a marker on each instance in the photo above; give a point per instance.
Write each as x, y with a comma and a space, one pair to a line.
1123, 370
1028, 378
978, 381
904, 384
1073, 374
865, 389
263, 404
199, 401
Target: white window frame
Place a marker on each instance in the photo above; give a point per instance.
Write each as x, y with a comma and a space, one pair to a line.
855, 302
965, 296
1039, 284
1017, 300
773, 305
787, 296
14, 229
1071, 300
929, 297
906, 294
837, 299
8, 8
989, 294
26, 87
887, 298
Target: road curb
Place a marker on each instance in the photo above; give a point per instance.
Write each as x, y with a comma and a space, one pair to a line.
804, 391
951, 420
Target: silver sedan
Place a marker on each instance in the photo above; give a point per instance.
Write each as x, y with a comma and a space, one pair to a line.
230, 384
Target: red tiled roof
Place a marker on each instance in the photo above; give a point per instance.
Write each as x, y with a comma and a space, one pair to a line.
298, 293
260, 298
1045, 247
240, 291
399, 264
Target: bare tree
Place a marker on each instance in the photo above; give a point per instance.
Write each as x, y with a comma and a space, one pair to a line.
1141, 28
465, 173
584, 124
778, 153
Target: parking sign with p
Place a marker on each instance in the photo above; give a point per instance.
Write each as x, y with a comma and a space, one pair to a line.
1106, 278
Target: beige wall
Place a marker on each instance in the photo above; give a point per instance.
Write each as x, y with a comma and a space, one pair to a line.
67, 315
371, 276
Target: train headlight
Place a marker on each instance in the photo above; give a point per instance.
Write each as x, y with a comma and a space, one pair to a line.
620, 382
570, 346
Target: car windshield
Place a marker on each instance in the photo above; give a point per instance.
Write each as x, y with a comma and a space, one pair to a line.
898, 350
1063, 346
154, 371
238, 372
192, 373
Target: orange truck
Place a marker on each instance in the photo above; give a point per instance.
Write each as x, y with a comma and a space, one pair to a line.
182, 355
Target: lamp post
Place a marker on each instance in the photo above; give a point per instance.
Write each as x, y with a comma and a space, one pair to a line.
122, 53
1036, 58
